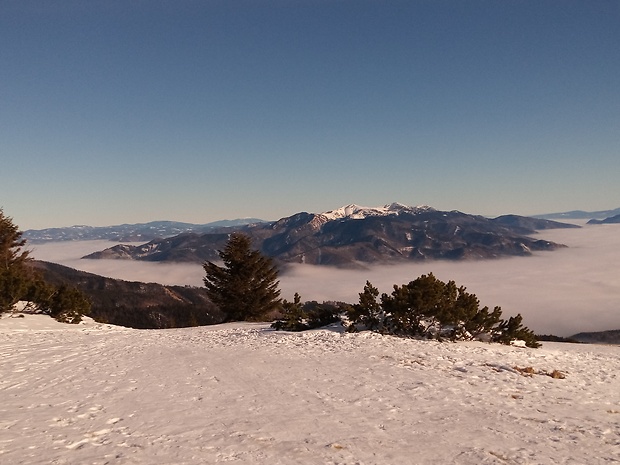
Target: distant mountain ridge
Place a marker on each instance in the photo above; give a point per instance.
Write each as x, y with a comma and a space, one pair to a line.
357, 212
609, 220
354, 235
579, 215
598, 337
139, 232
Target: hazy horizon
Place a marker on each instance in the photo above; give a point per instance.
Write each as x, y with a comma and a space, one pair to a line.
561, 292
539, 214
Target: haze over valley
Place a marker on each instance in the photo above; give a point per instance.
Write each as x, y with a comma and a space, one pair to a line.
561, 292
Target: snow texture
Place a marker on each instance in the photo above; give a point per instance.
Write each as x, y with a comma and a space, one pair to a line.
242, 393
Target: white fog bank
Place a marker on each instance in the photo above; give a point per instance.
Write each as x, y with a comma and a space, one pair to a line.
561, 292
70, 253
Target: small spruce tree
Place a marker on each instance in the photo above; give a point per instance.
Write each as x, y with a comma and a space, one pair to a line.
292, 318
368, 312
68, 305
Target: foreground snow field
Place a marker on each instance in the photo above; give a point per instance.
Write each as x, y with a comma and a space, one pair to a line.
95, 394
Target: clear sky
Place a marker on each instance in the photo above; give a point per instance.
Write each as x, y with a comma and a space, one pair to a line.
126, 111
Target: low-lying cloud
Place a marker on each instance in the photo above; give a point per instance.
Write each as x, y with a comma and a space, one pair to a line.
561, 292
70, 253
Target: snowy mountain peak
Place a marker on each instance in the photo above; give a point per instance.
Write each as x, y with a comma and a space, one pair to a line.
353, 211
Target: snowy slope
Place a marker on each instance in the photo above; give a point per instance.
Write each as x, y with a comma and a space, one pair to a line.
245, 394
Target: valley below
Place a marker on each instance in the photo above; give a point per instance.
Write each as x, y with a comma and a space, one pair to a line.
562, 292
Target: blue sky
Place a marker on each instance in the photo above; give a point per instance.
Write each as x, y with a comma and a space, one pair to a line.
132, 111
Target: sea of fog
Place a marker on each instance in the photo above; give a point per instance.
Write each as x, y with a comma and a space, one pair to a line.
561, 292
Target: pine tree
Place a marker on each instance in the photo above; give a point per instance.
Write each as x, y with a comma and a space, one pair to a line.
292, 318
431, 308
419, 307
68, 305
19, 281
482, 322
14, 275
246, 287
367, 312
513, 329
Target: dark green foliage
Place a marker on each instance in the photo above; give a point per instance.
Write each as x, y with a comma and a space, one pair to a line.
67, 305
63, 303
483, 322
512, 329
423, 307
319, 315
296, 316
19, 281
14, 275
14, 285
292, 318
246, 287
431, 308
368, 312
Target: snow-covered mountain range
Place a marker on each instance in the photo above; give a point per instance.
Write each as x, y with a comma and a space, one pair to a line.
162, 229
129, 232
351, 235
357, 212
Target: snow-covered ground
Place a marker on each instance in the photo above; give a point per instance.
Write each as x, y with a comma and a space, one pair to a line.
97, 394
